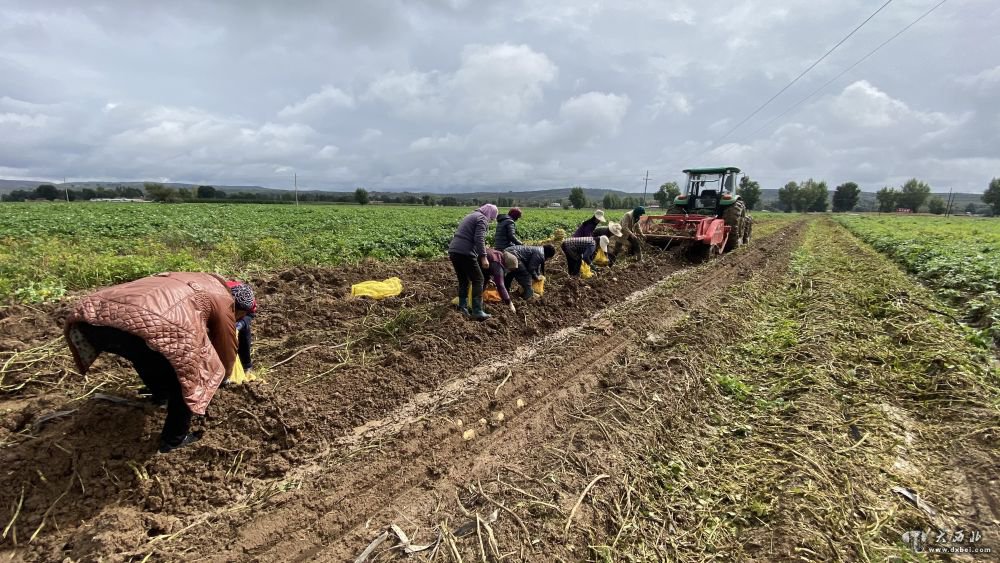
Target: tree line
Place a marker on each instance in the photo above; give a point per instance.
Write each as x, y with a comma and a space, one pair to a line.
807, 196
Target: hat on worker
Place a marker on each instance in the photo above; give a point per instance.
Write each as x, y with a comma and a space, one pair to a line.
615, 228
509, 261
600, 215
243, 296
604, 243
638, 212
514, 213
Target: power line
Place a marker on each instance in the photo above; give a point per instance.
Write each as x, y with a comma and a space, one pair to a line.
845, 71
803, 73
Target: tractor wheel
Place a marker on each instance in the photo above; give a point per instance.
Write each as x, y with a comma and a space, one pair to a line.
737, 218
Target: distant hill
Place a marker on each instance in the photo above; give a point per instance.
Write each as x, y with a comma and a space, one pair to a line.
11, 185
7, 186
769, 197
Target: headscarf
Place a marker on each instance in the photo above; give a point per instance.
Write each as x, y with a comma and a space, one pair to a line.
243, 296
638, 212
490, 211
514, 213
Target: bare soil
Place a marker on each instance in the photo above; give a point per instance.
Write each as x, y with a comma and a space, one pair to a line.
74, 466
486, 441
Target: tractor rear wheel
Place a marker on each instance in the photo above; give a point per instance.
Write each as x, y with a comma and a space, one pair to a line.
738, 221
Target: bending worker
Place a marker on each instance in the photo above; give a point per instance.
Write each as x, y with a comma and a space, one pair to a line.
586, 228
500, 264
177, 329
582, 249
631, 236
614, 232
530, 267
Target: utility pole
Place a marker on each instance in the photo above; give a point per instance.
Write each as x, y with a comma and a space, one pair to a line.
66, 189
950, 200
295, 179
644, 185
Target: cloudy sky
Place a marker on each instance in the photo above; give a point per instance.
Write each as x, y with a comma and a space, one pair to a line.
449, 95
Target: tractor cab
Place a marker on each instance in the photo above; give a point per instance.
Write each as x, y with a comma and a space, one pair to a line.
709, 190
708, 217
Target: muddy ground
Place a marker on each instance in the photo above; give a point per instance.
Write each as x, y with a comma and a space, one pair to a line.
483, 442
81, 473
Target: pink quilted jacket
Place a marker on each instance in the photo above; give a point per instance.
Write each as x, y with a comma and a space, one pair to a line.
187, 317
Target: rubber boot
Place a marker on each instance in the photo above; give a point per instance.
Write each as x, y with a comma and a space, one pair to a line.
166, 447
463, 305
477, 310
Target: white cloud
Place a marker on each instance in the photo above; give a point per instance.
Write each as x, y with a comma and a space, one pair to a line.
449, 141
595, 114
22, 120
370, 135
492, 82
411, 94
329, 97
501, 81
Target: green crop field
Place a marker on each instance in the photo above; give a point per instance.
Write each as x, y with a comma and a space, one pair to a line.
958, 257
47, 249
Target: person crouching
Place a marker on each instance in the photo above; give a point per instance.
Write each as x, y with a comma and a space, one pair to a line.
177, 329
531, 266
581, 249
500, 263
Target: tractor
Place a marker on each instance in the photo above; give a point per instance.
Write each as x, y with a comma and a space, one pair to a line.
708, 217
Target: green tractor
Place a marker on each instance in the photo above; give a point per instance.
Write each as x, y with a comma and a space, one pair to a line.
709, 216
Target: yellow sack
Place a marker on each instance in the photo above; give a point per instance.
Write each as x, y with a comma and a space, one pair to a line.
585, 272
378, 289
468, 297
538, 286
600, 259
239, 377
491, 294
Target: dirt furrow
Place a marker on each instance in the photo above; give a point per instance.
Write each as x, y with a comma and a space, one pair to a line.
420, 466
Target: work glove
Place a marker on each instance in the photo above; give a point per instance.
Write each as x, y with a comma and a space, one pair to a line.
513, 309
540, 278
241, 324
484, 263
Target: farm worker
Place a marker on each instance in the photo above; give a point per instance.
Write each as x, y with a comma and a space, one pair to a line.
530, 266
631, 235
506, 235
178, 331
467, 252
586, 228
614, 233
500, 264
246, 311
581, 249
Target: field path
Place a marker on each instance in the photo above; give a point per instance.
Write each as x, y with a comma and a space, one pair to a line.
414, 459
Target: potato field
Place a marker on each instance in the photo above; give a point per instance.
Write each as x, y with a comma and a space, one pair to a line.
828, 392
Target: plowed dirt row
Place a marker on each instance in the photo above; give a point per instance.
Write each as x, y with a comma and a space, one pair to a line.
353, 495
80, 477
